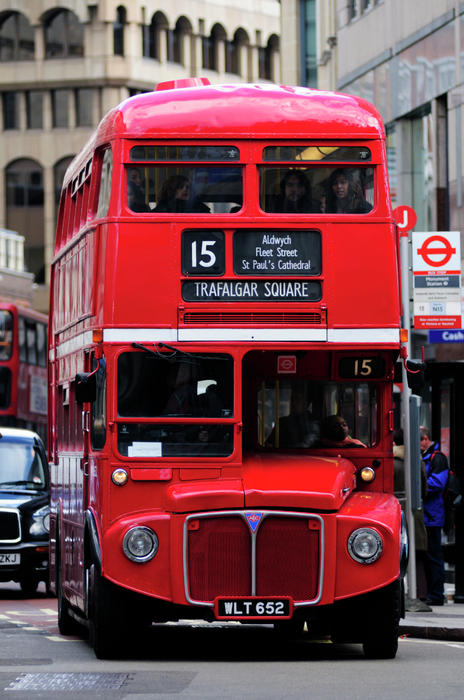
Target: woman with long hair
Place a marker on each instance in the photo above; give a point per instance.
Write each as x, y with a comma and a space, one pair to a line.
345, 195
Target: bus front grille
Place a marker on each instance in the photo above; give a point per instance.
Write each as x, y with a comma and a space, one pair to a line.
284, 559
10, 530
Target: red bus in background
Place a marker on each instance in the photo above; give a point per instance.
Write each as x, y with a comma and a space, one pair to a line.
23, 368
225, 320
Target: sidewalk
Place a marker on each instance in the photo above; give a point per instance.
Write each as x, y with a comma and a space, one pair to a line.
444, 622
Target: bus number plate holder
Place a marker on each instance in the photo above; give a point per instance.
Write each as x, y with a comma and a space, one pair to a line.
232, 608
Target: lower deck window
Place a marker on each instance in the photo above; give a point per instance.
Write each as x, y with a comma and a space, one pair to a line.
185, 387
316, 414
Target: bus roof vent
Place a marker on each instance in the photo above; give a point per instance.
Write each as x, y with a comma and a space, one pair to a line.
182, 83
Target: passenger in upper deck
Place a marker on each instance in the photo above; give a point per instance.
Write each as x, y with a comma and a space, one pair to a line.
335, 433
135, 191
175, 197
295, 195
344, 194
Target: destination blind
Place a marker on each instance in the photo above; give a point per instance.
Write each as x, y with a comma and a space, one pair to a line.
251, 290
277, 253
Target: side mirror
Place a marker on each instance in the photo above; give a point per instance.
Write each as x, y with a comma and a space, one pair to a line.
416, 376
86, 387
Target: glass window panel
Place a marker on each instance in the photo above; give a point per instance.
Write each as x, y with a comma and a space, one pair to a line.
31, 340
186, 386
179, 190
174, 440
303, 413
42, 344
313, 152
84, 103
8, 39
10, 110
22, 339
34, 109
323, 190
105, 183
60, 108
26, 45
191, 386
180, 152
6, 334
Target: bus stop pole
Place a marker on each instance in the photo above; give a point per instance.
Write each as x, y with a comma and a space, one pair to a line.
411, 574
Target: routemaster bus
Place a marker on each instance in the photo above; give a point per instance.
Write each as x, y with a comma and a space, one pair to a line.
23, 368
225, 320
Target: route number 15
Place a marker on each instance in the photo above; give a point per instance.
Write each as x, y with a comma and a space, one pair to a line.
203, 253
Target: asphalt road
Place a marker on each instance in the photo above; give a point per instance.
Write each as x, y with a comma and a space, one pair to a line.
191, 660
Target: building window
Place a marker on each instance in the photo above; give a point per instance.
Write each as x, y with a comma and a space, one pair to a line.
84, 105
10, 110
352, 9
16, 38
34, 109
60, 109
118, 31
64, 35
365, 5
309, 67
153, 37
25, 213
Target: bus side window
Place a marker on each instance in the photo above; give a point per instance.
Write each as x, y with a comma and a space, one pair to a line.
105, 183
22, 339
98, 407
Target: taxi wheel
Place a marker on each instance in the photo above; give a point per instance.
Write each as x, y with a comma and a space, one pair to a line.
66, 624
28, 584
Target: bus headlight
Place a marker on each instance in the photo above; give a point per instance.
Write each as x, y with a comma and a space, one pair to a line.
140, 544
40, 521
365, 545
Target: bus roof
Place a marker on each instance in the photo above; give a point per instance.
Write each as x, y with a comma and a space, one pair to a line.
238, 111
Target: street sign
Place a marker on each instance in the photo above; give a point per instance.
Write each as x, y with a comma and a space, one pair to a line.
406, 218
436, 264
451, 336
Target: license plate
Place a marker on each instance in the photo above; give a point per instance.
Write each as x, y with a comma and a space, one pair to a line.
9, 559
253, 608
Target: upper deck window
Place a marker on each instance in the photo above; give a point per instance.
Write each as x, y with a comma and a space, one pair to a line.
316, 190
170, 189
6, 334
192, 153
341, 154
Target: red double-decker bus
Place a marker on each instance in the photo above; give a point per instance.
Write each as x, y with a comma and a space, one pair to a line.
225, 319
23, 368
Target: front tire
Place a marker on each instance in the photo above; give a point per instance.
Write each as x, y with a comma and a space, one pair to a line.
103, 609
381, 631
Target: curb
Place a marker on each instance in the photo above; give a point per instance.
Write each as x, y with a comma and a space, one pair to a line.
447, 634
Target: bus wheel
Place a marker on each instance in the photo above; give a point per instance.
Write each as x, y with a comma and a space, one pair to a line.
382, 626
103, 610
66, 624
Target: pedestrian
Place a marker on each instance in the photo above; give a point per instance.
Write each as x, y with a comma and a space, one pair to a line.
420, 533
436, 469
